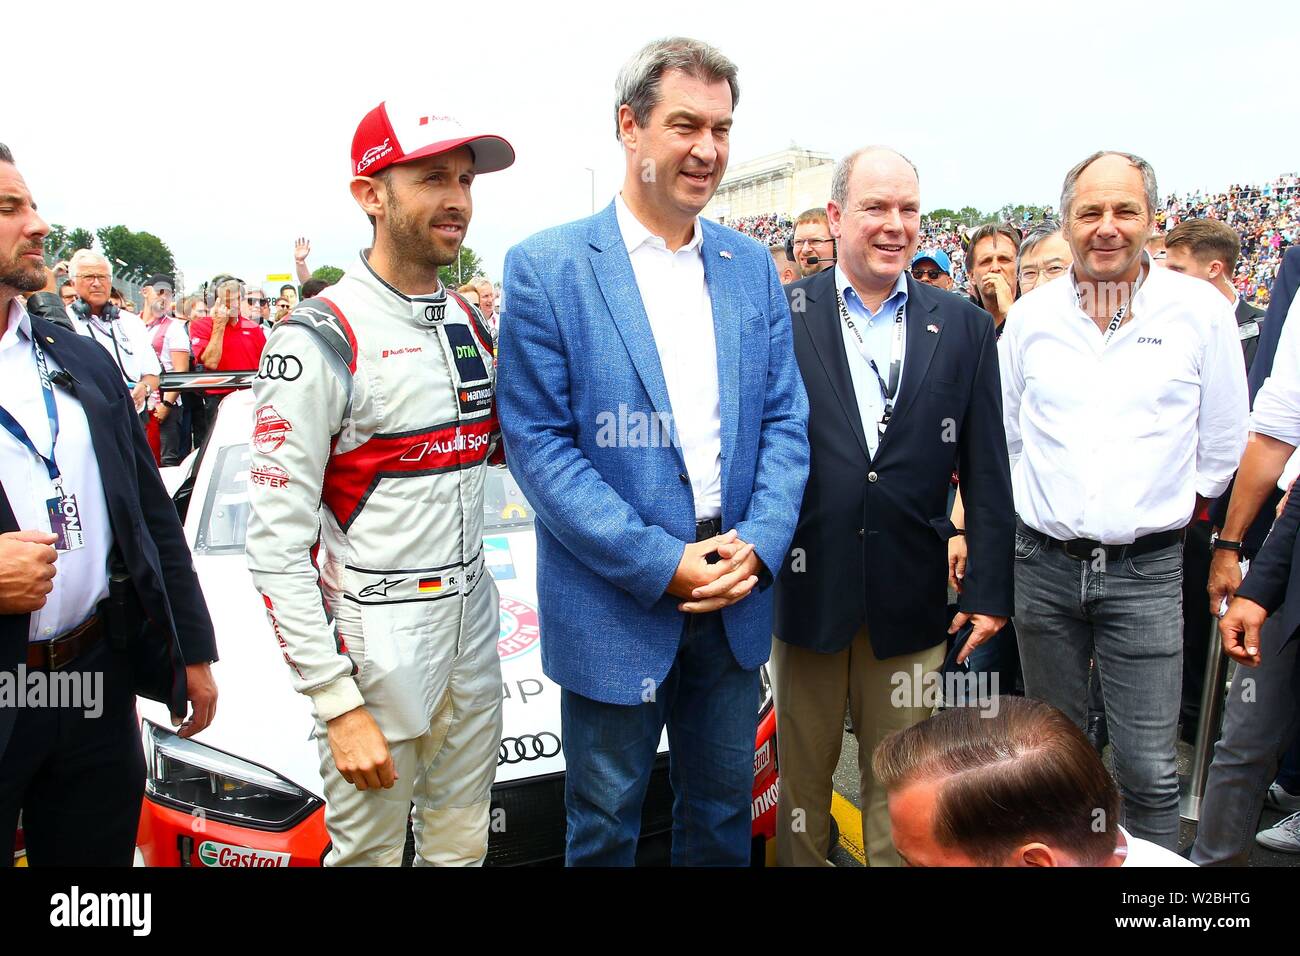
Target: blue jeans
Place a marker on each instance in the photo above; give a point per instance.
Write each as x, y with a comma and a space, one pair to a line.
710, 707
1127, 615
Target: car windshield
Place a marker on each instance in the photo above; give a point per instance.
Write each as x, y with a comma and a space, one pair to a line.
225, 507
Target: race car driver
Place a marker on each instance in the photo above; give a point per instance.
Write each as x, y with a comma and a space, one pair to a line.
374, 423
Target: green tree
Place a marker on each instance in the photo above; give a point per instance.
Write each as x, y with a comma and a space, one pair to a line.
63, 242
330, 274
970, 215
137, 254
461, 271
939, 215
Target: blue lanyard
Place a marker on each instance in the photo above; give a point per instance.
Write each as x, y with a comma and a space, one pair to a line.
51, 412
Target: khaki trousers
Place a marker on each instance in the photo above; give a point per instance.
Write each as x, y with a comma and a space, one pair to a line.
810, 691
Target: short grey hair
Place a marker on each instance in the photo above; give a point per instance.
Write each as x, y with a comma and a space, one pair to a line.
1141, 165
638, 81
6, 156
87, 257
1043, 230
844, 171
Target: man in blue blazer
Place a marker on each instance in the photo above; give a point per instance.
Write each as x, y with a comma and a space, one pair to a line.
649, 399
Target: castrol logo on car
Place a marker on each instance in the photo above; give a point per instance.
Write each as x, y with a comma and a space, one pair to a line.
225, 855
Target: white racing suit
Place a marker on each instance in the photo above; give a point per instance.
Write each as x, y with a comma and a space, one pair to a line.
374, 422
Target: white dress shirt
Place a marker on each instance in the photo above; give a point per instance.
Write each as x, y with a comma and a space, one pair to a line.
176, 338
878, 335
1277, 404
1114, 441
676, 300
81, 576
127, 341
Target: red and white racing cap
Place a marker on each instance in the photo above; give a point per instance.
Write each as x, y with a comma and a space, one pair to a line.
394, 132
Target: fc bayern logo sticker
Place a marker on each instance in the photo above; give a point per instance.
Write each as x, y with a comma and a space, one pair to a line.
519, 631
269, 430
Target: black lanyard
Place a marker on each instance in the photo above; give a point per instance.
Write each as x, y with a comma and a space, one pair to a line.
51, 412
887, 392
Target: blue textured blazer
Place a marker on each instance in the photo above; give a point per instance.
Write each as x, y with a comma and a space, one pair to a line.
576, 360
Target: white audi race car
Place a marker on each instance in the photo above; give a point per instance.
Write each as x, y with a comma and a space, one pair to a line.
248, 792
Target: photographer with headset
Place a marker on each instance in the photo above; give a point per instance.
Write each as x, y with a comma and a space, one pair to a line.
122, 334
812, 247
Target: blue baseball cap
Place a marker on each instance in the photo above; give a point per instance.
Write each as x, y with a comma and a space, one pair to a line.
937, 256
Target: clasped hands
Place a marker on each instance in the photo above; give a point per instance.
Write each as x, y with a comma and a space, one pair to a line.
705, 587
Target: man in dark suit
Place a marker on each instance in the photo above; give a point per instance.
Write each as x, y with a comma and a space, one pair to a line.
903, 388
88, 618
1206, 249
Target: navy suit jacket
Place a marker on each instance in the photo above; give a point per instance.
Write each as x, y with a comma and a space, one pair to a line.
581, 395
1260, 367
871, 543
1273, 580
146, 531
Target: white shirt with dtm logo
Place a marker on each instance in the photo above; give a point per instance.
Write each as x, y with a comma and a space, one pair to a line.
366, 488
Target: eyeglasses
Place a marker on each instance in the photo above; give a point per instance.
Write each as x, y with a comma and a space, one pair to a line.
809, 242
93, 277
251, 301
931, 274
1051, 272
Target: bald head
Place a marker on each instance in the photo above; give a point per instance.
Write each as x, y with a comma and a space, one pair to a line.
881, 159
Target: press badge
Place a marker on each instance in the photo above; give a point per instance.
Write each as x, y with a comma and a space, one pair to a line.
65, 522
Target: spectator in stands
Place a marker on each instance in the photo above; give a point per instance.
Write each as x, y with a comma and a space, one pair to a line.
226, 341
120, 332
313, 287
255, 305
301, 250
1156, 249
814, 249
991, 265
786, 267
933, 267
171, 343
1102, 507
470, 293
1044, 255
1019, 787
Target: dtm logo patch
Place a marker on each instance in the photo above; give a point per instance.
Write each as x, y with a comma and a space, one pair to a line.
469, 363
269, 429
225, 855
519, 630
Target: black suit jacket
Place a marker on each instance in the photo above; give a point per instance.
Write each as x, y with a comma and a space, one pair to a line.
146, 530
1273, 580
1259, 366
1246, 314
871, 543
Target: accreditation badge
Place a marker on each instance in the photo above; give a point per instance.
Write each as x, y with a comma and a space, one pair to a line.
65, 522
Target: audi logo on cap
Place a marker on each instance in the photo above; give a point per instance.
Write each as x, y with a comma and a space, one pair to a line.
528, 747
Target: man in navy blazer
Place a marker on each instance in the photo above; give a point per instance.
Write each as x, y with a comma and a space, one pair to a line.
650, 401
903, 385
75, 767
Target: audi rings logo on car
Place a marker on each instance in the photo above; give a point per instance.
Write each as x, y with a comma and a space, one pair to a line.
528, 747
284, 367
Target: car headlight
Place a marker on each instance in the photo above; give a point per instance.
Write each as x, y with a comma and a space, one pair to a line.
191, 776
764, 691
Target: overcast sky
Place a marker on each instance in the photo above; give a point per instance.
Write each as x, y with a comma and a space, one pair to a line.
225, 129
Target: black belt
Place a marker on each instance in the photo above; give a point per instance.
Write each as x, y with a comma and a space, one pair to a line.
59, 652
1086, 549
708, 528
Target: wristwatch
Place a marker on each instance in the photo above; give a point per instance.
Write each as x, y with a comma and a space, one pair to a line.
1223, 544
